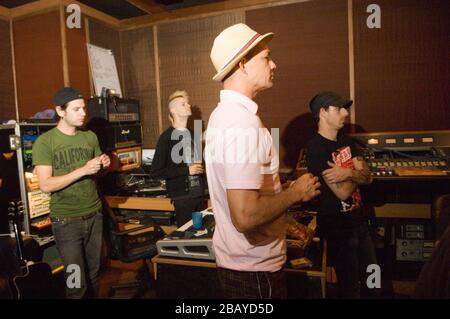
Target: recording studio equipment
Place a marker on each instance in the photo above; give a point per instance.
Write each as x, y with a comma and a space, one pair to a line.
187, 242
36, 204
28, 134
132, 233
413, 240
115, 121
124, 159
133, 183
162, 218
9, 185
402, 155
407, 155
407, 167
410, 170
111, 109
114, 136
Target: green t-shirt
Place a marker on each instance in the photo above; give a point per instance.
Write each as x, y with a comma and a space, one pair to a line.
65, 153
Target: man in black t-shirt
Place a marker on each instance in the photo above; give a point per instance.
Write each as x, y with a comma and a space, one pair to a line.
334, 158
178, 160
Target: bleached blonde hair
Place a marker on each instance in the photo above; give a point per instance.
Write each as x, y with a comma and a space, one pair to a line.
173, 96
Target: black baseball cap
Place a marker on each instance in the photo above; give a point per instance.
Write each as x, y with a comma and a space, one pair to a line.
325, 99
66, 95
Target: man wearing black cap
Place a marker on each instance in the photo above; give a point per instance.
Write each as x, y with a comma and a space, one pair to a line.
334, 158
66, 159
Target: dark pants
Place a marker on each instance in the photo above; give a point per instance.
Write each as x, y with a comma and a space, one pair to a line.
252, 285
79, 242
350, 257
185, 207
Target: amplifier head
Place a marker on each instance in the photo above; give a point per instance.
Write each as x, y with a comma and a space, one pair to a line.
112, 110
126, 158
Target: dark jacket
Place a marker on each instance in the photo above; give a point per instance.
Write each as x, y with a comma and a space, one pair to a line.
175, 174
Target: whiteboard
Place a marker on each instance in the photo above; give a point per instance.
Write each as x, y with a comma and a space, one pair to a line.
103, 69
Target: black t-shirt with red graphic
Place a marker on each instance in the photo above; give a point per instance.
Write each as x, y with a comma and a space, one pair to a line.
336, 218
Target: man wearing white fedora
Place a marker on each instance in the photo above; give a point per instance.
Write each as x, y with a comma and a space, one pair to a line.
242, 162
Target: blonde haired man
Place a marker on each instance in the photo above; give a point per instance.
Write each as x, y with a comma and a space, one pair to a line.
172, 103
176, 160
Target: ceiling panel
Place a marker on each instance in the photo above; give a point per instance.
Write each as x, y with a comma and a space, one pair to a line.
14, 3
123, 9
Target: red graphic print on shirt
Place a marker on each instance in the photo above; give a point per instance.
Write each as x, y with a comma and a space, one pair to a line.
342, 157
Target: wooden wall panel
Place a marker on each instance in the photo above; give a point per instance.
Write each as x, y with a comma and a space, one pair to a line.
77, 59
106, 37
310, 49
184, 49
39, 64
139, 78
402, 70
7, 105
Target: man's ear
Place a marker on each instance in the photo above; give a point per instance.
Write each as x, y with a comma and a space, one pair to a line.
241, 65
322, 112
172, 109
60, 111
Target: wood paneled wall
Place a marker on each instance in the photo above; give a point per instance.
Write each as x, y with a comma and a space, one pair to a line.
139, 78
184, 50
310, 50
402, 70
7, 104
77, 59
38, 60
403, 65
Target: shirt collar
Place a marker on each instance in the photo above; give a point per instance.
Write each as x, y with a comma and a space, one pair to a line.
248, 103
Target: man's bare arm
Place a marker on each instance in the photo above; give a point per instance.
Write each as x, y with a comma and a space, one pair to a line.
342, 190
338, 179
250, 210
361, 174
343, 181
50, 184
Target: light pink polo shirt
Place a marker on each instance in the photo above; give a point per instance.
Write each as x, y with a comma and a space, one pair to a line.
239, 154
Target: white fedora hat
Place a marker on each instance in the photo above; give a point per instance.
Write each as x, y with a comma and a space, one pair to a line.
231, 45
